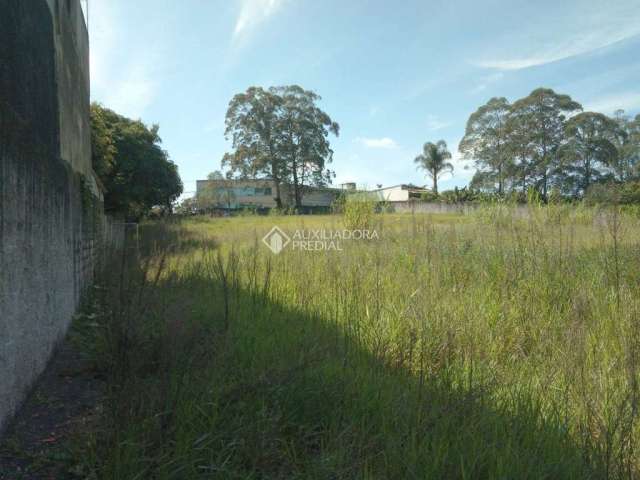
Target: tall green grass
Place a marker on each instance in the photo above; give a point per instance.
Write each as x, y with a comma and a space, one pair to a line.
497, 345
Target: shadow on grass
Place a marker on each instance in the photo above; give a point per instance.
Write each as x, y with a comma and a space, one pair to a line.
211, 378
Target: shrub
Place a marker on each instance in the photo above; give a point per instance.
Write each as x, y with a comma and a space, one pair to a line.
429, 197
613, 194
630, 193
359, 211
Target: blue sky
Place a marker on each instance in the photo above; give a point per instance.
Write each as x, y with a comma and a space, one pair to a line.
392, 74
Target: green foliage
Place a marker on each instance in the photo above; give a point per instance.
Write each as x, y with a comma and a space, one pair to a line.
337, 206
588, 149
135, 171
541, 117
464, 195
359, 211
450, 348
543, 141
429, 197
627, 193
630, 193
485, 139
626, 166
188, 206
280, 133
434, 161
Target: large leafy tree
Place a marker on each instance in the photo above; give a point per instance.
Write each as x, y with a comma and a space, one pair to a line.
434, 161
136, 172
303, 139
280, 133
521, 167
486, 141
589, 148
253, 123
626, 166
542, 114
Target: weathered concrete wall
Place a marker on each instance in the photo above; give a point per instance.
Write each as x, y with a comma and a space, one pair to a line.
436, 207
431, 207
72, 77
49, 211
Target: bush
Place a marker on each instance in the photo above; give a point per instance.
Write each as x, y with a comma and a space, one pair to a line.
429, 197
359, 211
630, 193
613, 194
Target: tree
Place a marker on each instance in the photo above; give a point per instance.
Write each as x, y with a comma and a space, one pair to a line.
486, 140
280, 133
253, 121
188, 206
127, 157
433, 161
103, 147
303, 139
521, 167
589, 145
542, 114
626, 166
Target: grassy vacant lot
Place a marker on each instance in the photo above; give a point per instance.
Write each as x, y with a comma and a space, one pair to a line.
494, 345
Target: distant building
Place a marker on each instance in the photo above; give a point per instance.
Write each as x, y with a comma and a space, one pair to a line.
259, 194
399, 193
349, 186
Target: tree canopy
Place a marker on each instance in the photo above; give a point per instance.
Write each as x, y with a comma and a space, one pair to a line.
136, 172
485, 138
545, 141
282, 134
434, 161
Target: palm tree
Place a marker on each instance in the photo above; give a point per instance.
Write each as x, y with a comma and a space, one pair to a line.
433, 161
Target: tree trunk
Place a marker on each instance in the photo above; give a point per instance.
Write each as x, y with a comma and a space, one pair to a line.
275, 175
587, 175
435, 183
278, 196
296, 184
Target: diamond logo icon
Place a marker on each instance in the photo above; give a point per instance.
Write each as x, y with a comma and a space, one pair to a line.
276, 240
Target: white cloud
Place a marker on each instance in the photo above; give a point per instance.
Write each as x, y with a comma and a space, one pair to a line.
520, 63
384, 142
434, 123
133, 92
582, 32
125, 83
628, 101
253, 13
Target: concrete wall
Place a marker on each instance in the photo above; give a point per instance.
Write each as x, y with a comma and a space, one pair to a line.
521, 211
72, 77
431, 207
50, 213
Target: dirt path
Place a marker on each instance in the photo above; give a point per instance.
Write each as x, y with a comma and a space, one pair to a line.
37, 444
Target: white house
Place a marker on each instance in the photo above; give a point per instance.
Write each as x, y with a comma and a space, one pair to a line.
399, 193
